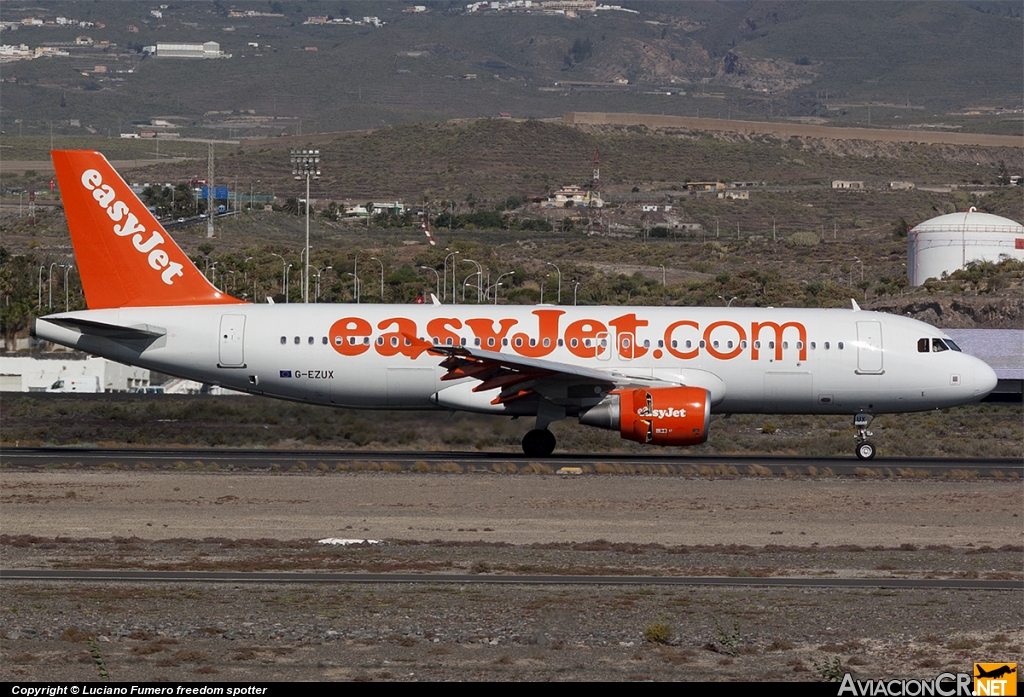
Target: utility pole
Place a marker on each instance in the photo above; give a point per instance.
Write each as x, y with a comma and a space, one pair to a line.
209, 191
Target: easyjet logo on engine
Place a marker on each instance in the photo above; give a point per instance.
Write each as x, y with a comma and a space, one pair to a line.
129, 225
664, 413
628, 336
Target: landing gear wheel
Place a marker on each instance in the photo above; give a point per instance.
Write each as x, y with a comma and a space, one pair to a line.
865, 450
539, 442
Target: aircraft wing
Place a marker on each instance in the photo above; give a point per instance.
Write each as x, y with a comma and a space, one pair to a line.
519, 376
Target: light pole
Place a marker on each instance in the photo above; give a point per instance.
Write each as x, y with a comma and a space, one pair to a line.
318, 272
576, 288
67, 293
355, 274
559, 281
465, 283
381, 276
245, 273
437, 276
306, 163
356, 279
729, 302
284, 274
50, 280
303, 262
861, 267
39, 304
445, 296
479, 279
498, 283
287, 288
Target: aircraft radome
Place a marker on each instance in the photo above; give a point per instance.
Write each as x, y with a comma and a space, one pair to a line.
654, 374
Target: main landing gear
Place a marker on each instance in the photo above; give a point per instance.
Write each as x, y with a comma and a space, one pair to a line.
865, 449
539, 442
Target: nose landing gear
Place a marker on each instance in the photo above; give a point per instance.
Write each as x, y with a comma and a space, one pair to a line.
865, 449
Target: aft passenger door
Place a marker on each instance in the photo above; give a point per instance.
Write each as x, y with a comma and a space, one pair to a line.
232, 341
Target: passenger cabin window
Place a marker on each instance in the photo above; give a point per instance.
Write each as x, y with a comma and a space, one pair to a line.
284, 340
310, 342
298, 340
324, 341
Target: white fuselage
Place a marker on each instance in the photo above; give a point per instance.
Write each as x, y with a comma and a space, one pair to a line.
751, 360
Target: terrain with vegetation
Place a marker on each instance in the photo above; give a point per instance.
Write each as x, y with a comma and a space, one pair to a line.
949, 65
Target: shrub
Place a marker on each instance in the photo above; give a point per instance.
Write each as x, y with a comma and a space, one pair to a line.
658, 633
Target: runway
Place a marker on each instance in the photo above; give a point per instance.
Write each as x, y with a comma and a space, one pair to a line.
602, 463
181, 561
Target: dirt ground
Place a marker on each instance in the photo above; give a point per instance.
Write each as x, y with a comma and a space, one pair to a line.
505, 524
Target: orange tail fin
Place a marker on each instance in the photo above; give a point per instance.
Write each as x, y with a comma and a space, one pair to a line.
125, 257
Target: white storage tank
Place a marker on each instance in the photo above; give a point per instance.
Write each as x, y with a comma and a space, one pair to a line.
948, 242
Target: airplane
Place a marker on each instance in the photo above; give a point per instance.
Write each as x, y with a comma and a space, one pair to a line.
654, 374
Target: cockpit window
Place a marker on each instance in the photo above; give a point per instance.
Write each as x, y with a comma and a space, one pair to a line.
922, 345
939, 345
949, 342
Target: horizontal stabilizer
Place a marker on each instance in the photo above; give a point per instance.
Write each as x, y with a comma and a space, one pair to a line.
143, 332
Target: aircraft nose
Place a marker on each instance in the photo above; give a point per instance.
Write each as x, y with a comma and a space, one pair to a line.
984, 379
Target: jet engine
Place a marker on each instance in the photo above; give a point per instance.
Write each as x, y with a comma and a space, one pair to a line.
655, 415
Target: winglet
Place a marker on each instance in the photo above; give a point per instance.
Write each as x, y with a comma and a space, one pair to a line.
125, 257
856, 307
434, 300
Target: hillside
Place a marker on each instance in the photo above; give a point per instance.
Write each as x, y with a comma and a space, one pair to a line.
888, 64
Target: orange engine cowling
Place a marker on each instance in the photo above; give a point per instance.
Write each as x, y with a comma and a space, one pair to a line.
656, 415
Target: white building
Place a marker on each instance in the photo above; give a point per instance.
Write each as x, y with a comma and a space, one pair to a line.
210, 49
577, 195
31, 374
949, 242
